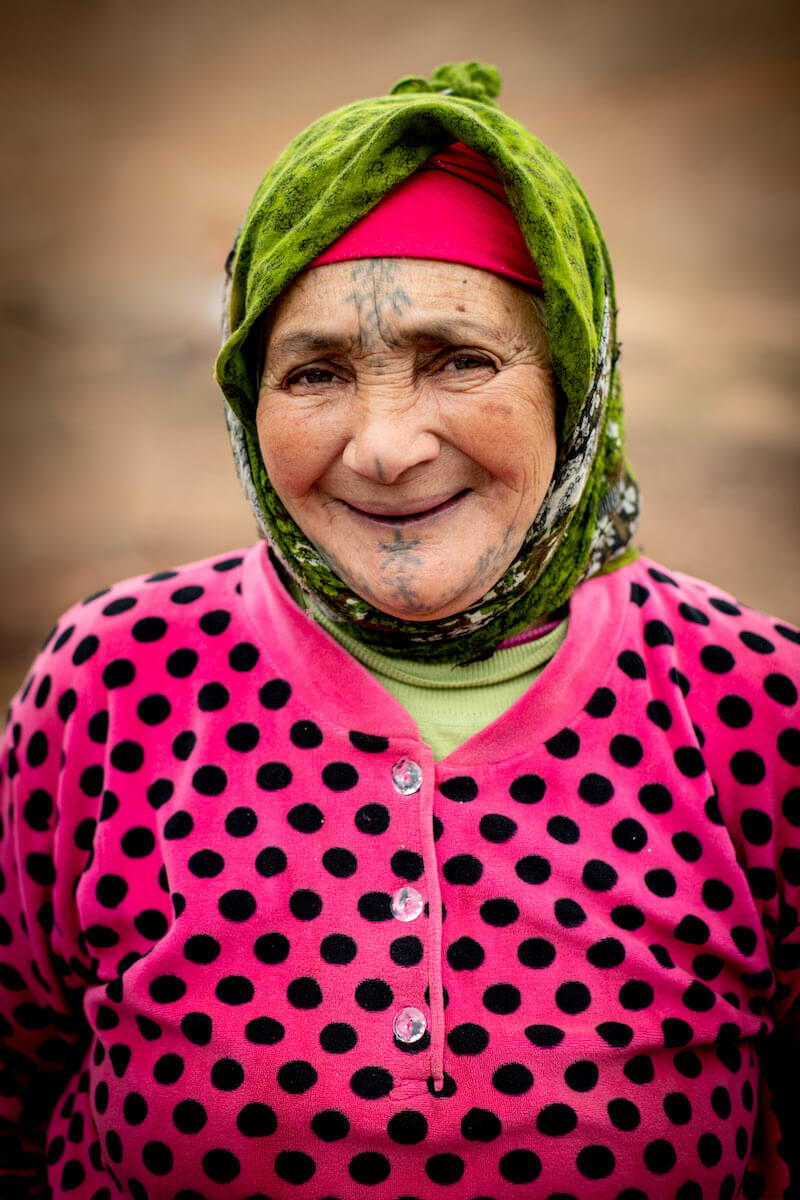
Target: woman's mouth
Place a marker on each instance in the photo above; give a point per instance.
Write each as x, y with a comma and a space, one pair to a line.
408, 513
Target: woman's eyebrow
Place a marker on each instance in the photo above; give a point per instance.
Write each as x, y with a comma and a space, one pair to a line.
308, 341
450, 331
453, 330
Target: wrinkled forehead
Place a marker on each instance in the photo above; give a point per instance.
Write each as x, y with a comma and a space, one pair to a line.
395, 302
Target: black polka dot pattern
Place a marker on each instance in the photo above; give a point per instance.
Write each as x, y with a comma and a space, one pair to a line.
575, 917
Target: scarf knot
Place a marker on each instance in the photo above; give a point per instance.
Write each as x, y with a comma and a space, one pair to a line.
468, 80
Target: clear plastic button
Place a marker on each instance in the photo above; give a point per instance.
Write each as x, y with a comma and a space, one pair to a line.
407, 904
409, 1025
407, 776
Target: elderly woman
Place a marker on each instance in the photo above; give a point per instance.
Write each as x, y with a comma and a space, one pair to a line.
438, 844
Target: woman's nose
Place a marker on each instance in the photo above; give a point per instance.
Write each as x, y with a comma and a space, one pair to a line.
389, 438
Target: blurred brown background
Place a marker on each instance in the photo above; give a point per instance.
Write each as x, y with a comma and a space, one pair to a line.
136, 131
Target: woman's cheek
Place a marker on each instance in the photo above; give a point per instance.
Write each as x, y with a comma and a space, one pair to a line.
515, 442
292, 449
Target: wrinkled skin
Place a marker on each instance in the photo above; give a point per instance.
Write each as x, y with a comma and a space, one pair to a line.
407, 421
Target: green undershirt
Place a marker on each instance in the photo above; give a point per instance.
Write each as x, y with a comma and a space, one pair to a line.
451, 703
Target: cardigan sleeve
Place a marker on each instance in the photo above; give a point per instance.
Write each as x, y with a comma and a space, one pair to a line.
780, 1052
757, 797
48, 821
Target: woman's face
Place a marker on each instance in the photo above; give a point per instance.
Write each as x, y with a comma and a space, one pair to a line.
407, 421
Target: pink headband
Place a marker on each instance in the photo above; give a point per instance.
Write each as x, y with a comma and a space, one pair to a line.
454, 209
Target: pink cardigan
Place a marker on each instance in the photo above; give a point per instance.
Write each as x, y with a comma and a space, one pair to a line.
257, 943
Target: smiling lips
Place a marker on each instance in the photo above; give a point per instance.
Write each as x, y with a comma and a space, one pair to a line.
407, 513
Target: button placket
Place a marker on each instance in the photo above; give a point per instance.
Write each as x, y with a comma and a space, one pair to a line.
410, 1024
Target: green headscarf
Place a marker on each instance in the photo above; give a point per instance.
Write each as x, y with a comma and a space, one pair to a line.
330, 176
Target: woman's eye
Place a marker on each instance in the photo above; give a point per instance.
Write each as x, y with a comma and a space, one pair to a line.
467, 362
312, 376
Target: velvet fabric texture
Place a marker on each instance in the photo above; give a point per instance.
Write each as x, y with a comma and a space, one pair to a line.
330, 176
208, 807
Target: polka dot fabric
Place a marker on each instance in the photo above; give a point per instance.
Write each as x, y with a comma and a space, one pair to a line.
256, 943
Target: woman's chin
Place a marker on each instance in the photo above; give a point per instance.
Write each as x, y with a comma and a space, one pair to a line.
421, 574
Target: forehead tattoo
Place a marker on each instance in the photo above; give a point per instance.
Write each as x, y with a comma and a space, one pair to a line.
376, 295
